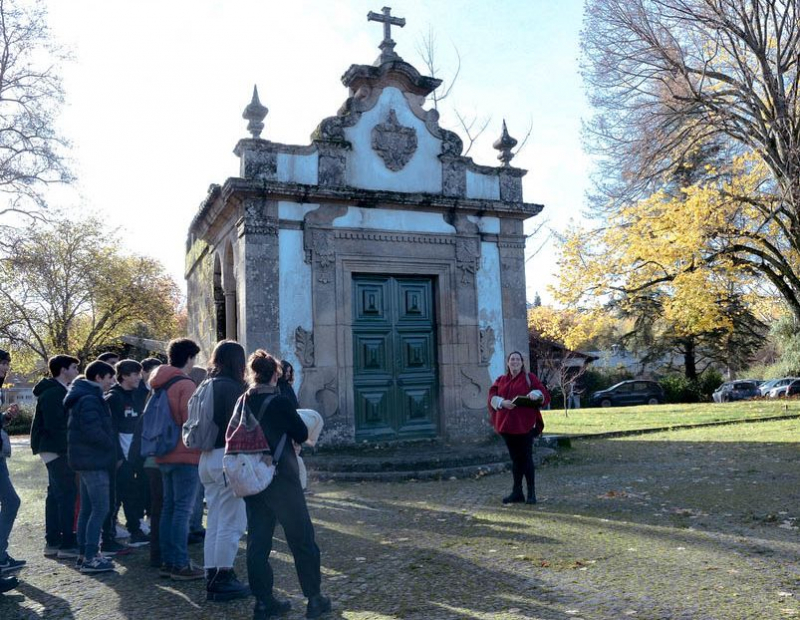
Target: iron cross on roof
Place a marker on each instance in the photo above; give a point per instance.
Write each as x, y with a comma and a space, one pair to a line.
385, 17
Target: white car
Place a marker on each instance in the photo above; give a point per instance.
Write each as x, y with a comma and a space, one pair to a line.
765, 387
779, 389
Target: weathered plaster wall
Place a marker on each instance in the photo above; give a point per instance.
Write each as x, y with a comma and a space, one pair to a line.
365, 168
391, 219
490, 305
486, 224
295, 297
200, 297
295, 211
482, 186
295, 168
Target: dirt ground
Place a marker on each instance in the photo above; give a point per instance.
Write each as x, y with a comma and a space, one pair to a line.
695, 524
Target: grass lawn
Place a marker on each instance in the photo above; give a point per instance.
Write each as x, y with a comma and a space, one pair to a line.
601, 420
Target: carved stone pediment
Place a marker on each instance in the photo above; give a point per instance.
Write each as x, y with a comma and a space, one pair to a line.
394, 143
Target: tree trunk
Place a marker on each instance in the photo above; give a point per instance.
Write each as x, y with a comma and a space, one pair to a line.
689, 360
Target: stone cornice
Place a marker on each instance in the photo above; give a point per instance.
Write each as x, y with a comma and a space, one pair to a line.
398, 70
257, 144
236, 189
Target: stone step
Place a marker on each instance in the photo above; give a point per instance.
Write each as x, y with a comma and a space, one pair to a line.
372, 469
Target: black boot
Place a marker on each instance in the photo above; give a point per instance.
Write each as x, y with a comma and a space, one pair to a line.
211, 573
317, 605
531, 494
274, 607
225, 586
516, 496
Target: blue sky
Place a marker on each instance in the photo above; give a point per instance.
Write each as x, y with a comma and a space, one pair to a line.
156, 90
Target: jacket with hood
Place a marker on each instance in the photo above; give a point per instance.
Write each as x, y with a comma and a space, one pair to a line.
178, 395
49, 426
91, 444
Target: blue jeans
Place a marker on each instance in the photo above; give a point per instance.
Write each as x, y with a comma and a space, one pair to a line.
94, 509
180, 490
9, 505
196, 520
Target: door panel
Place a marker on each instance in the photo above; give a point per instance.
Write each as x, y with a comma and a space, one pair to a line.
394, 348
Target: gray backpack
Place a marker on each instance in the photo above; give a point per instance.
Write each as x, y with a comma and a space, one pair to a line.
200, 431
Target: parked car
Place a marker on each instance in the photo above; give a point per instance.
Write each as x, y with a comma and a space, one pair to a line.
735, 390
779, 389
629, 393
766, 386
793, 389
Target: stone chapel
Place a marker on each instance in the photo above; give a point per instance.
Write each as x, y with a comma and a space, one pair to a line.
387, 267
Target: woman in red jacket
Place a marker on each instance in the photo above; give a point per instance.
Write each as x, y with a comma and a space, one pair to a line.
518, 425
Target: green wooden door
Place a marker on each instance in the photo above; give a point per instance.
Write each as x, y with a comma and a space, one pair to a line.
394, 351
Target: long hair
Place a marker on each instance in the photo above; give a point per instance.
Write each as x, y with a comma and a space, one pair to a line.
287, 371
227, 360
262, 367
508, 357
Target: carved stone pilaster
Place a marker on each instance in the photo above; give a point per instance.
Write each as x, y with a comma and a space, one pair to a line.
513, 273
304, 346
256, 221
454, 177
511, 184
332, 164
320, 252
467, 259
487, 344
260, 165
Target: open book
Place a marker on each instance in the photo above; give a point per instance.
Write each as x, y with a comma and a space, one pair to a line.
524, 401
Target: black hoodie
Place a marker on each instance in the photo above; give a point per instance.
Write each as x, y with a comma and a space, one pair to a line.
126, 407
49, 426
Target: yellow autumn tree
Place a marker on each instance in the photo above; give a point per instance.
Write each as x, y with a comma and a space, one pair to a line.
685, 256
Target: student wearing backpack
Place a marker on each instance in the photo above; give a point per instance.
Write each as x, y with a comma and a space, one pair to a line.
282, 501
92, 453
151, 471
126, 403
49, 441
179, 465
211, 409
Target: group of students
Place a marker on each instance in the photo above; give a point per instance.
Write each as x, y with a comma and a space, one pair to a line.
85, 431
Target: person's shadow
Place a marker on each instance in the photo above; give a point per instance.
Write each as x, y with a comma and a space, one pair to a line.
54, 606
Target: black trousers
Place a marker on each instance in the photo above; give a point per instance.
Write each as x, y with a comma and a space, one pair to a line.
286, 505
62, 490
520, 449
131, 484
110, 522
153, 475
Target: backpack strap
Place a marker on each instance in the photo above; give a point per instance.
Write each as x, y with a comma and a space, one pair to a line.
528, 379
173, 381
279, 450
264, 405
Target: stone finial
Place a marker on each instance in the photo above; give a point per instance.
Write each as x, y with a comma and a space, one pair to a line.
387, 45
504, 144
254, 114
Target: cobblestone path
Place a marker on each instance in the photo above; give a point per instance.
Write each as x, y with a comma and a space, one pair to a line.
693, 525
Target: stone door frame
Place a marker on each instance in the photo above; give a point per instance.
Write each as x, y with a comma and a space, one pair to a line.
443, 274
